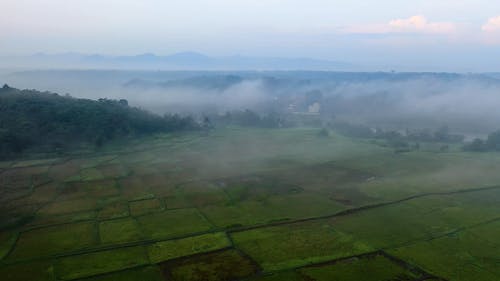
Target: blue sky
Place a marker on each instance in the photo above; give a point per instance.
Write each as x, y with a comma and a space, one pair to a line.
457, 35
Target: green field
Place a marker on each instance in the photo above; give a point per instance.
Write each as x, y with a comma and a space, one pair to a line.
251, 204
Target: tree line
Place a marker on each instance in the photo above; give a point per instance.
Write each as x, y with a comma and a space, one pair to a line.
32, 119
491, 143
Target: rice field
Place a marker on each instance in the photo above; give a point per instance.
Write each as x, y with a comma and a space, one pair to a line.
251, 204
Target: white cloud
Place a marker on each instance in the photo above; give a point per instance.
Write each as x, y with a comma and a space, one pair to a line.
414, 24
493, 25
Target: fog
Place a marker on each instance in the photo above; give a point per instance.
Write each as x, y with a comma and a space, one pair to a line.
467, 103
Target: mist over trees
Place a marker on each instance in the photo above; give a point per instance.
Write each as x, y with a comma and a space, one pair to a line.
402, 108
32, 119
492, 143
466, 103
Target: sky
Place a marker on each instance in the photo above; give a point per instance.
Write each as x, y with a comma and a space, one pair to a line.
461, 35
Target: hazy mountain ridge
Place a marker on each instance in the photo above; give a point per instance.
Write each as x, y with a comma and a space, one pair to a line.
177, 61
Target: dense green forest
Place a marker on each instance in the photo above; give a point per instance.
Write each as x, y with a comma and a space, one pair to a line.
30, 119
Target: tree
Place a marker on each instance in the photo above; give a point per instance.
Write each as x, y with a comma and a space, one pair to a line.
493, 141
323, 133
207, 124
123, 102
32, 119
476, 145
442, 134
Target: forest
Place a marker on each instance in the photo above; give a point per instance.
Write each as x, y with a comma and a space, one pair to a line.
30, 119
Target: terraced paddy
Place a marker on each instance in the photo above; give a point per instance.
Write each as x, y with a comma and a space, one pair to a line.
251, 204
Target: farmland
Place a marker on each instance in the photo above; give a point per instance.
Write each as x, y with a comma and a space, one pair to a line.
251, 204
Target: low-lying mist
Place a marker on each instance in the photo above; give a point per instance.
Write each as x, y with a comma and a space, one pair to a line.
467, 103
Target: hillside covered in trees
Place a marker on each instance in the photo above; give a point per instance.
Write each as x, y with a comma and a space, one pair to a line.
30, 119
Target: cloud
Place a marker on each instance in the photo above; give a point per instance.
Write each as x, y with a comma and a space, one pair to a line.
413, 24
492, 25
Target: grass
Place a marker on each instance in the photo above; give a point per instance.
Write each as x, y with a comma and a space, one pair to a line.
461, 256
145, 206
421, 218
39, 271
120, 231
84, 189
7, 241
225, 265
69, 206
27, 163
91, 174
289, 246
113, 171
42, 194
155, 180
374, 268
280, 276
256, 187
15, 179
114, 210
86, 265
47, 220
202, 193
188, 186
142, 169
421, 172
133, 188
52, 240
487, 232
173, 223
102, 188
64, 171
171, 249
148, 273
273, 208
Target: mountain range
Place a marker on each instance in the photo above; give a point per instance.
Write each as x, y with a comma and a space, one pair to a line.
177, 61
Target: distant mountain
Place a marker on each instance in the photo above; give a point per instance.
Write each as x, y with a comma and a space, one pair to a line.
214, 82
177, 61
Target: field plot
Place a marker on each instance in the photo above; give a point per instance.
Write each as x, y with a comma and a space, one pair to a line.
7, 241
40, 195
100, 262
16, 183
222, 265
256, 187
114, 210
421, 218
148, 273
201, 194
98, 189
171, 249
423, 172
290, 206
278, 276
119, 231
471, 254
134, 188
141, 207
368, 268
173, 223
50, 220
69, 206
64, 171
289, 246
51, 240
271, 209
43, 271
113, 171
